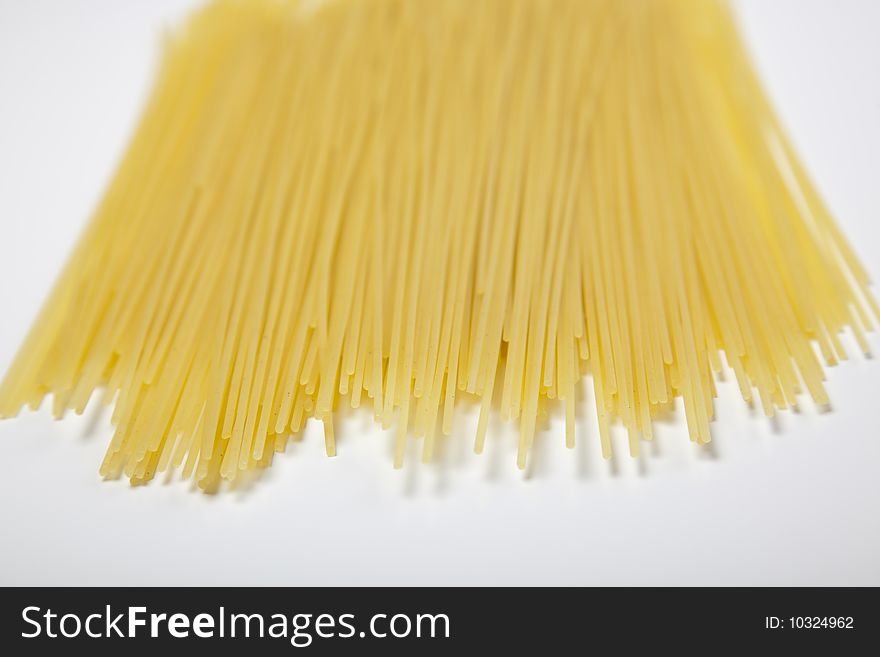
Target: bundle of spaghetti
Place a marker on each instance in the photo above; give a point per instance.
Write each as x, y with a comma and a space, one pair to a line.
394, 203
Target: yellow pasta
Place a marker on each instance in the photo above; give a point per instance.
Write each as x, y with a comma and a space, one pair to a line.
389, 204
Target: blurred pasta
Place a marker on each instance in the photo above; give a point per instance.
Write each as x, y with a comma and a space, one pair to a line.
391, 203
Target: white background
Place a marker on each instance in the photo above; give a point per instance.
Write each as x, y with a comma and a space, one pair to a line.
791, 504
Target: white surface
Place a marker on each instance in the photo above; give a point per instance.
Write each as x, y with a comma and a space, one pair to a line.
793, 506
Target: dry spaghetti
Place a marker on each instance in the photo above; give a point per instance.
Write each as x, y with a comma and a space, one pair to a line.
394, 202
